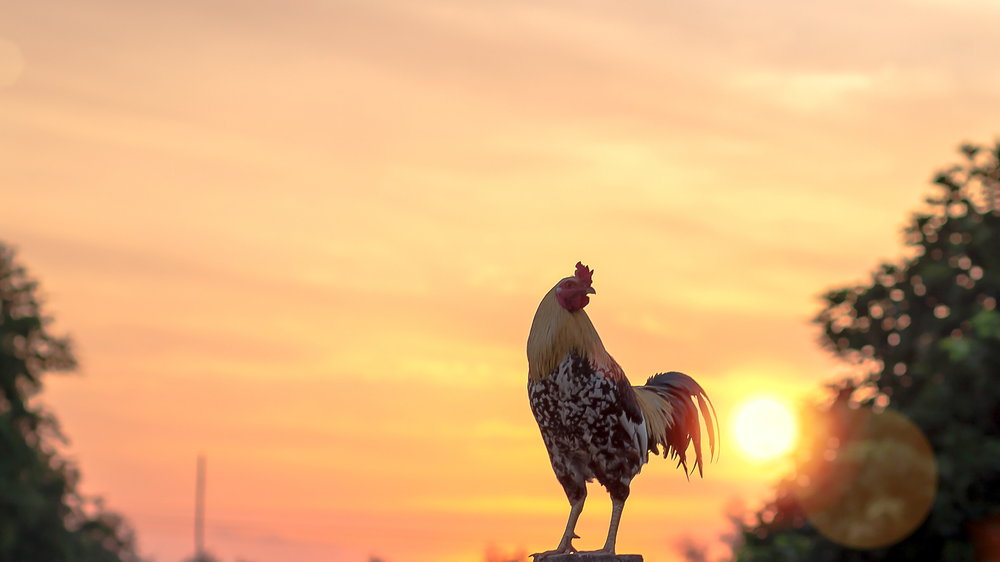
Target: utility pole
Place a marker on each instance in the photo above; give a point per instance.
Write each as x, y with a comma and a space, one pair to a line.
199, 510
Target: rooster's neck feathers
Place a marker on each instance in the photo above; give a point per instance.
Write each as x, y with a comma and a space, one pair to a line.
556, 331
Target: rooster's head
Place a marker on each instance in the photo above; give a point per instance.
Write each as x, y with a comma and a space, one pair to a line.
572, 292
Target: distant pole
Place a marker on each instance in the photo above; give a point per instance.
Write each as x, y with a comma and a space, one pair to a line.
199, 509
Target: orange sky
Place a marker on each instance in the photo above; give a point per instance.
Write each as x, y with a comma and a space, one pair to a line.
307, 238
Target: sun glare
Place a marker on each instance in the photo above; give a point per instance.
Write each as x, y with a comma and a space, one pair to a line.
764, 428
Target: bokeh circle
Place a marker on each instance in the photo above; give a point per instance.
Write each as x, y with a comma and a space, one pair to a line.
876, 487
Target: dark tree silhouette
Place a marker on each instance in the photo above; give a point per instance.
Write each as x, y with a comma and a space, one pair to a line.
42, 516
924, 334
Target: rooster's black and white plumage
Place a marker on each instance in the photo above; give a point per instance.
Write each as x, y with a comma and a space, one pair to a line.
593, 422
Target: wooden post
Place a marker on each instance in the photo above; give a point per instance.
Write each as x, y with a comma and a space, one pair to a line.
594, 557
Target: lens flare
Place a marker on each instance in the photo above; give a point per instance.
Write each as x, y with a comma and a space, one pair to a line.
876, 486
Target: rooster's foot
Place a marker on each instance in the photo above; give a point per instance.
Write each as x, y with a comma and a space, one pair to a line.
565, 547
539, 556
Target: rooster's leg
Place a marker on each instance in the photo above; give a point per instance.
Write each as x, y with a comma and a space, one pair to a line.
616, 514
566, 544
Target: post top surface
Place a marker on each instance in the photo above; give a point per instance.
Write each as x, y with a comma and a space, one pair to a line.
594, 557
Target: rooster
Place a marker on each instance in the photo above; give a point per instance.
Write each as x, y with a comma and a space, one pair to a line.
593, 422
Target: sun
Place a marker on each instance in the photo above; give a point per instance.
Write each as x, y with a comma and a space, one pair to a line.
764, 428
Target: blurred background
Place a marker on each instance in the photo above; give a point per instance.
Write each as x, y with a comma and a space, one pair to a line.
306, 240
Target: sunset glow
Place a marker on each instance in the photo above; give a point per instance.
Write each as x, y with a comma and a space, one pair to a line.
306, 238
764, 428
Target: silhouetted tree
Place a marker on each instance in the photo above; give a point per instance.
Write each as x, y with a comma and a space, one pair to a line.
924, 334
42, 516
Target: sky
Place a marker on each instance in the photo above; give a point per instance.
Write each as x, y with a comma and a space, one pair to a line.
307, 238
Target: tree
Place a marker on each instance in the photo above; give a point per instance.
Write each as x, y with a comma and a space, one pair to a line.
924, 334
42, 516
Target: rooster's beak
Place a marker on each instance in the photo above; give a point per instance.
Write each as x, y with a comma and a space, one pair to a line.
591, 291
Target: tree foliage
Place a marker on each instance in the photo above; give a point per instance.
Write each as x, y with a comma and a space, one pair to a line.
42, 516
924, 334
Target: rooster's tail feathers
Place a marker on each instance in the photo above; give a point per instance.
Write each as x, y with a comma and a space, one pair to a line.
667, 401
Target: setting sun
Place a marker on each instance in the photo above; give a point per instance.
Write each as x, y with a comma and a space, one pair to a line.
764, 428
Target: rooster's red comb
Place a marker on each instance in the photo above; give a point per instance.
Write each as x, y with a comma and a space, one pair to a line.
584, 273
